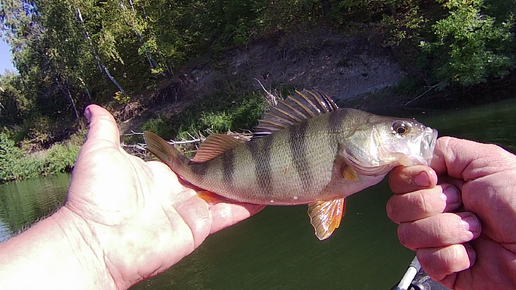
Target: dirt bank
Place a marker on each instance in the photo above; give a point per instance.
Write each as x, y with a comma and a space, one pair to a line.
347, 66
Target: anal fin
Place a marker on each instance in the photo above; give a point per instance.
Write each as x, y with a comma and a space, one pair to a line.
325, 216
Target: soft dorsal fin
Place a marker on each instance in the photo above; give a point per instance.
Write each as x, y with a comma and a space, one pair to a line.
303, 105
215, 145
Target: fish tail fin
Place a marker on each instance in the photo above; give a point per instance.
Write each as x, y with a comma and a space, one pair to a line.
165, 152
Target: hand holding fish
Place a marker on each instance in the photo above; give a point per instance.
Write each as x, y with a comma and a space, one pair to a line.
462, 224
124, 220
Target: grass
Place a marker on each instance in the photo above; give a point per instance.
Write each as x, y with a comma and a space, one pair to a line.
17, 165
219, 113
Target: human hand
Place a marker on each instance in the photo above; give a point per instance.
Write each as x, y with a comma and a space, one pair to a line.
136, 216
464, 228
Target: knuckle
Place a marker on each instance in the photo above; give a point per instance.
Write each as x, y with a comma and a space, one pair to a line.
391, 209
420, 201
444, 261
405, 236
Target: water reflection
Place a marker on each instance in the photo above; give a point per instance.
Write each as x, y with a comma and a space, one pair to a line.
22, 203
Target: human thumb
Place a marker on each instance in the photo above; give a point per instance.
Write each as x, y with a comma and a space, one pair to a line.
102, 126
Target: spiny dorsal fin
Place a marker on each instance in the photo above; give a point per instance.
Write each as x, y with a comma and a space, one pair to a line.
325, 216
215, 145
303, 105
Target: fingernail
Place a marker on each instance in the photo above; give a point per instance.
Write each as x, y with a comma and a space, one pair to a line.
471, 224
422, 179
87, 114
450, 194
472, 255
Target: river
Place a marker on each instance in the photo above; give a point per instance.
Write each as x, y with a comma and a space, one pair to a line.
277, 249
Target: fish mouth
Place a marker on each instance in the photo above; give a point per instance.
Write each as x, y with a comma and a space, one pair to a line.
429, 139
422, 150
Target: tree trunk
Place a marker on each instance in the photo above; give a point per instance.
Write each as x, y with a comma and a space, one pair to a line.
326, 7
66, 90
95, 55
152, 63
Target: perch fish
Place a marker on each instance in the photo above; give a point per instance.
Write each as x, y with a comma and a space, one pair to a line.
305, 150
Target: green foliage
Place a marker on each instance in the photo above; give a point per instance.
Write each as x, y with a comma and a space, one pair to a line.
60, 158
214, 114
406, 22
15, 165
14, 105
121, 99
8, 154
471, 45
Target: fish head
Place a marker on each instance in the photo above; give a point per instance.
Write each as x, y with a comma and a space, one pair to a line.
403, 141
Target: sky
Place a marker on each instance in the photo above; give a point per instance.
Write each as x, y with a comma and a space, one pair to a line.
5, 58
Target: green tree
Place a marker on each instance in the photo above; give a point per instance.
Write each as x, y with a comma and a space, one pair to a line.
470, 45
13, 104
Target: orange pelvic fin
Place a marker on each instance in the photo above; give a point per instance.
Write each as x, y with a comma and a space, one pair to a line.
210, 197
325, 216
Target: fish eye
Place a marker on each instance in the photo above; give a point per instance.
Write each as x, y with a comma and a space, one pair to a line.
400, 128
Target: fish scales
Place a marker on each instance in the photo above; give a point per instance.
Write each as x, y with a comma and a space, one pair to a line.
288, 167
305, 151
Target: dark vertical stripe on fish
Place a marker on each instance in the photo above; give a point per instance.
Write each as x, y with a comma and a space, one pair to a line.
262, 163
228, 166
297, 138
334, 122
199, 169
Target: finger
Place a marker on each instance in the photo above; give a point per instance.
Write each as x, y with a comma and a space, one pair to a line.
423, 203
196, 215
226, 214
443, 263
403, 179
440, 230
102, 125
456, 157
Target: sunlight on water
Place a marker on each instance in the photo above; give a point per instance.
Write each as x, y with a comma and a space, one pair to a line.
4, 232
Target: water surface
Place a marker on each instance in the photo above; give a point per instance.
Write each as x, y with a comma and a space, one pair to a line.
23, 203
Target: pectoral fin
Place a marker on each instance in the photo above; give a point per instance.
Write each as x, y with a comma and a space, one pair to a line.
325, 216
349, 173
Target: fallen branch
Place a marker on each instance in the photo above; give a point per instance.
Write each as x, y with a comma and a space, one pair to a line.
418, 97
271, 99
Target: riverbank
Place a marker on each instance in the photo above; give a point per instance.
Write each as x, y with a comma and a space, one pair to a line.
228, 92
18, 165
